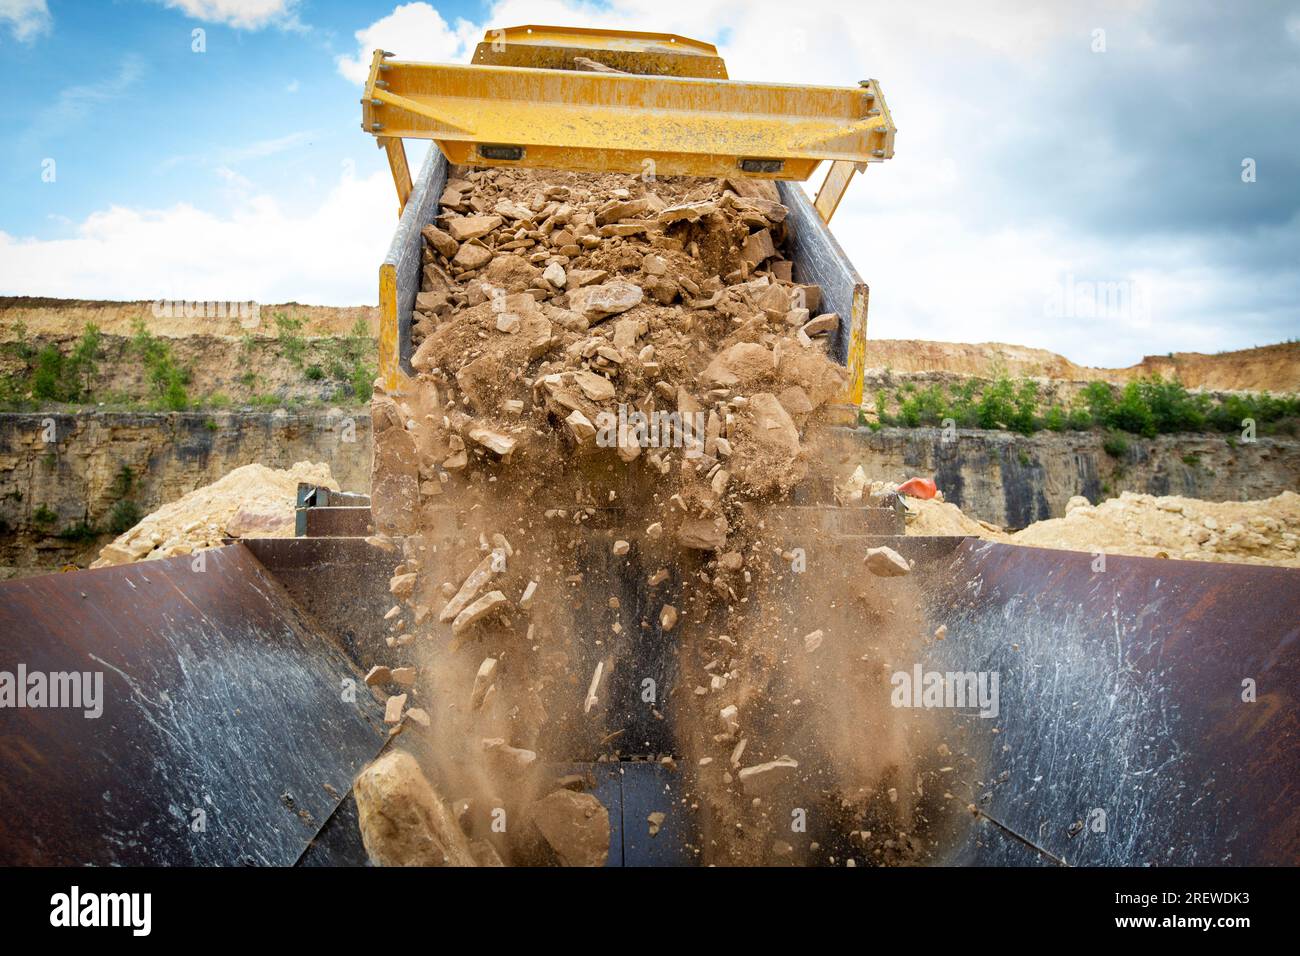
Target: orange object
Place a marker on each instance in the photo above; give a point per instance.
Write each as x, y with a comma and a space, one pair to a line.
923, 488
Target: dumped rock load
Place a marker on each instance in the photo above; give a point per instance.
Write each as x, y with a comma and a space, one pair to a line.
252, 501
1169, 526
617, 387
1266, 531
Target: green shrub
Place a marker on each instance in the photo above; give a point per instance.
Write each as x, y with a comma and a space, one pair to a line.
293, 345
167, 379
1054, 419
60, 378
124, 516
314, 373
82, 531
43, 515
1115, 444
363, 382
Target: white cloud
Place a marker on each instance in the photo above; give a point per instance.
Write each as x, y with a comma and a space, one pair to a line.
926, 229
415, 31
240, 14
27, 19
255, 250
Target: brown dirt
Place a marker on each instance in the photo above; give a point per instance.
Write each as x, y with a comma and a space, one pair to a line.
501, 466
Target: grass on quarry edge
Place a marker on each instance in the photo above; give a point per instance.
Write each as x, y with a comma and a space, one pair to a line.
1145, 407
50, 377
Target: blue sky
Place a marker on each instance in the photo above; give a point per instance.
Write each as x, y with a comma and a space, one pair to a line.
132, 116
1044, 150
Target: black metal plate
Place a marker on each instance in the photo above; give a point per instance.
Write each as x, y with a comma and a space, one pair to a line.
218, 697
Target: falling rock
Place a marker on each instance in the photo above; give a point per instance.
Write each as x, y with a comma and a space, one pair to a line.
402, 585
584, 277
492, 440
596, 302
580, 426
744, 361
394, 474
507, 758
487, 673
377, 675
478, 610
554, 274
444, 243
703, 534
472, 227
667, 617
758, 247
472, 585
886, 563
688, 212
822, 324
764, 778
629, 209
574, 825
403, 821
811, 642
393, 709
595, 387
472, 256
730, 717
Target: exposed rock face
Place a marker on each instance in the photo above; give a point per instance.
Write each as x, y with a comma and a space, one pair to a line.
79, 475
403, 820
1275, 368
1012, 481
171, 454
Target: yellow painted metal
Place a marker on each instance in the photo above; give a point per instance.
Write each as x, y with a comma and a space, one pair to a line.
671, 111
857, 357
606, 122
554, 48
833, 187
401, 171
391, 376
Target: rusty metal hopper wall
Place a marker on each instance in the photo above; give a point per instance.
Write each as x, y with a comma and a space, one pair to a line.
1121, 706
219, 695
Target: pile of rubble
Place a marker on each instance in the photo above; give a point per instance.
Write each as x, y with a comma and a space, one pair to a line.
615, 383
1169, 526
250, 502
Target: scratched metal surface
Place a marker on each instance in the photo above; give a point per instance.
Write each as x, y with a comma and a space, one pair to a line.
819, 260
404, 250
1121, 692
218, 696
